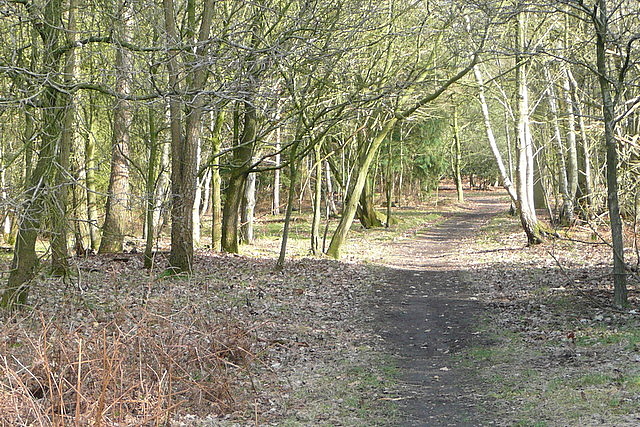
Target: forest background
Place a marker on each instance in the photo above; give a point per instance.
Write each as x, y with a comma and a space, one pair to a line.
172, 127
126, 119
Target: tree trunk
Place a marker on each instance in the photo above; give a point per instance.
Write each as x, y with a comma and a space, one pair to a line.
184, 147
90, 183
216, 188
162, 190
586, 189
275, 206
6, 219
572, 150
566, 213
242, 156
350, 207
317, 200
60, 240
152, 177
457, 157
197, 194
506, 179
205, 198
117, 220
600, 20
366, 211
524, 165
293, 177
329, 199
25, 260
248, 208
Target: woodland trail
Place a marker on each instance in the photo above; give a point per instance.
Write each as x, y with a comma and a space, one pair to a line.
425, 313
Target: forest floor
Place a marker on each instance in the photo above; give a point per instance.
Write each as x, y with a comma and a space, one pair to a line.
445, 319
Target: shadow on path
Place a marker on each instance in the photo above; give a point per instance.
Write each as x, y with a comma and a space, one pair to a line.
425, 313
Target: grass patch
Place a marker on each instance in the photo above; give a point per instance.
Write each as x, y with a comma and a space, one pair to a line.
350, 391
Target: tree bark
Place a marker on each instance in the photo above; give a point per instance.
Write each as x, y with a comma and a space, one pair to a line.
331, 203
248, 208
506, 179
90, 183
184, 146
586, 189
457, 157
293, 178
600, 20
241, 163
117, 218
525, 164
366, 211
216, 188
566, 213
275, 206
25, 260
197, 194
317, 201
60, 240
151, 182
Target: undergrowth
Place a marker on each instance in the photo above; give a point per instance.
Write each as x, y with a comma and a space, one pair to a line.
138, 368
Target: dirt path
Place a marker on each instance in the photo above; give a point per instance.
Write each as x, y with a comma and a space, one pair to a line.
425, 314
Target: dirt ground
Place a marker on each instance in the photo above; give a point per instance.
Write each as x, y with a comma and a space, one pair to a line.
426, 313
453, 321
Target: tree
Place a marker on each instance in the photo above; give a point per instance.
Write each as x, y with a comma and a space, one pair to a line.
185, 129
340, 235
53, 105
614, 58
117, 220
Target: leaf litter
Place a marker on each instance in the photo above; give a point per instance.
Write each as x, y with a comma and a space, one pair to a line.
237, 343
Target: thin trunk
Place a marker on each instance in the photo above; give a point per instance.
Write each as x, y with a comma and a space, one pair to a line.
317, 201
586, 189
6, 220
90, 183
600, 20
117, 220
216, 188
401, 172
329, 199
293, 177
59, 242
524, 166
275, 207
162, 189
506, 180
566, 213
572, 172
248, 209
457, 158
389, 182
152, 177
197, 196
206, 193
